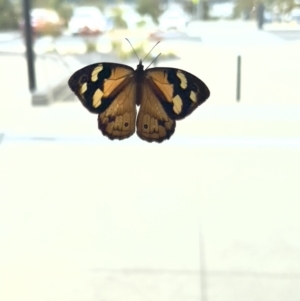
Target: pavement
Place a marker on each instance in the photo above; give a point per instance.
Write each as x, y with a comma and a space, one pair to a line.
211, 214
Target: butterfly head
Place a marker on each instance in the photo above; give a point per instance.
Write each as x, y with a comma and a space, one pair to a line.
140, 66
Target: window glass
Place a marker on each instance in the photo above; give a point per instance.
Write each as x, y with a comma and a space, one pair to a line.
210, 214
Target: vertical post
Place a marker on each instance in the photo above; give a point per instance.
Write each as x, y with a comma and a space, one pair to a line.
196, 6
260, 15
238, 79
29, 45
203, 286
200, 10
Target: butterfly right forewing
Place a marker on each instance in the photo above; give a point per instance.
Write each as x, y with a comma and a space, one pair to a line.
179, 91
97, 85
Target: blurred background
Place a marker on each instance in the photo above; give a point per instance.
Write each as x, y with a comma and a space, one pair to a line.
210, 215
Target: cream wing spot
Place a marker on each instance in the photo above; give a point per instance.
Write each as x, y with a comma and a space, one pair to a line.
97, 98
177, 104
183, 80
95, 72
193, 96
83, 88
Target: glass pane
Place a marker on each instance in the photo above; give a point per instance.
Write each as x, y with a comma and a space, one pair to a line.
209, 214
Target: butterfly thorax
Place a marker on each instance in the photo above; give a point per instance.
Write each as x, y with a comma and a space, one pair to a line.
139, 78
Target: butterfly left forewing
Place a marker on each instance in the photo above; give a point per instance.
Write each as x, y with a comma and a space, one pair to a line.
108, 89
179, 91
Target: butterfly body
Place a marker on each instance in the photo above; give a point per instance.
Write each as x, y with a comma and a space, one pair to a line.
113, 91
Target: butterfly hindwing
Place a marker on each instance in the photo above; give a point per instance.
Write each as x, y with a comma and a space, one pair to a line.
108, 89
118, 120
153, 123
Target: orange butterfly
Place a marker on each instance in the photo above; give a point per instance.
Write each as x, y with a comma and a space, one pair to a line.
114, 90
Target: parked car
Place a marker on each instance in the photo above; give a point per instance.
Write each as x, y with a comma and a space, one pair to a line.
87, 20
174, 18
44, 21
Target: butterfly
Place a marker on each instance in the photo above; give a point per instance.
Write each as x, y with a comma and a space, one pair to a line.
113, 91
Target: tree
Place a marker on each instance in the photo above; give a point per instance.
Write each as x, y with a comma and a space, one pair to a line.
8, 15
151, 8
281, 6
248, 7
244, 8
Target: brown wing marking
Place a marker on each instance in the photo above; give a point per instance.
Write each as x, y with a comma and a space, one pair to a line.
153, 124
118, 120
116, 81
159, 77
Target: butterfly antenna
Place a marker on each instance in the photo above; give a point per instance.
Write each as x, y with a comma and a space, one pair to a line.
153, 61
133, 49
150, 52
